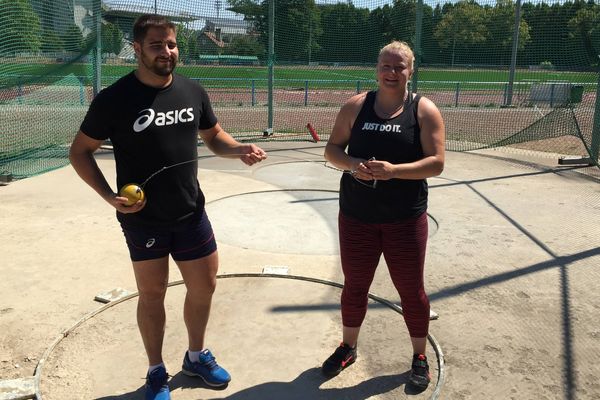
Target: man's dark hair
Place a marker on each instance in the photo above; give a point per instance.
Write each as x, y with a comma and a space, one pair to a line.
147, 21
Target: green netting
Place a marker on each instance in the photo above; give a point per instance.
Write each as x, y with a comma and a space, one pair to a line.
530, 84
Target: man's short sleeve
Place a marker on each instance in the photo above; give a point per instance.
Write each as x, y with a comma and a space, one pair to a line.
95, 124
207, 116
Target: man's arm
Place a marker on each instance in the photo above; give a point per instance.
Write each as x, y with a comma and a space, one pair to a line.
84, 163
223, 144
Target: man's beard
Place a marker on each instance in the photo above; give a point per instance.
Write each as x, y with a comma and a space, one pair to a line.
161, 69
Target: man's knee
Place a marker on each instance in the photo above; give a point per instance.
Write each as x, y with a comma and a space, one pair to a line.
153, 293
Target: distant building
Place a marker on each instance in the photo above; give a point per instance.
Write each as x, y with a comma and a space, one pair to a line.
208, 43
218, 33
226, 29
214, 34
58, 15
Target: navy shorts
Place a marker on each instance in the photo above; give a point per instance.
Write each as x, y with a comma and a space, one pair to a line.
197, 240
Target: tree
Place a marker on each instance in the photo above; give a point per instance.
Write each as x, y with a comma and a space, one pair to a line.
182, 41
297, 26
19, 27
403, 18
463, 26
343, 28
51, 42
194, 47
379, 29
585, 26
112, 38
73, 39
500, 21
245, 46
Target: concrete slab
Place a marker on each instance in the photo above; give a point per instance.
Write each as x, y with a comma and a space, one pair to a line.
17, 389
513, 271
269, 334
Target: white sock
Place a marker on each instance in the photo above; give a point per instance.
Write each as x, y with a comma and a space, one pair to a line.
153, 367
194, 355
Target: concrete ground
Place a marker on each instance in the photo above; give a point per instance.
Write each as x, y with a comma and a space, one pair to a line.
512, 270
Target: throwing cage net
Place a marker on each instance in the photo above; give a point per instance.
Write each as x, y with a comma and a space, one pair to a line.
503, 73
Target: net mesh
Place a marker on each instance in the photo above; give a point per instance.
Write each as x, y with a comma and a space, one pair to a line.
529, 85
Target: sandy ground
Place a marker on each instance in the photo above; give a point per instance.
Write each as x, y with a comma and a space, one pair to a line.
513, 270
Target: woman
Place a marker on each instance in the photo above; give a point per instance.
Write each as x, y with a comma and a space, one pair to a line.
394, 141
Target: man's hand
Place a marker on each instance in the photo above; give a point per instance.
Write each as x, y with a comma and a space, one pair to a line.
120, 203
252, 154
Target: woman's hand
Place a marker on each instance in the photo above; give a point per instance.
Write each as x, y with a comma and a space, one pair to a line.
380, 170
362, 171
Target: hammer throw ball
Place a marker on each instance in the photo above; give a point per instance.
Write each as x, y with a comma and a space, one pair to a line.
133, 192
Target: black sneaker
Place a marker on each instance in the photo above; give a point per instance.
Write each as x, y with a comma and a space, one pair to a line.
419, 374
343, 357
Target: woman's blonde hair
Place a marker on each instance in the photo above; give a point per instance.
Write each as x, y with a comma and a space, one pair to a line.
399, 47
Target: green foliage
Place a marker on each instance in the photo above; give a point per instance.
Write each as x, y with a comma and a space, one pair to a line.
112, 39
73, 38
183, 36
51, 41
464, 26
246, 46
466, 32
193, 47
342, 26
19, 27
585, 26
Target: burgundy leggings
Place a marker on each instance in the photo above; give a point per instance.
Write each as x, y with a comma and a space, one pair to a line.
403, 246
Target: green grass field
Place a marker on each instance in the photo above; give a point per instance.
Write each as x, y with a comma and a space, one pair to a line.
240, 76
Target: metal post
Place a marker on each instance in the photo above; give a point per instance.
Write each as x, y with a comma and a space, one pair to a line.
595, 146
417, 49
513, 57
81, 91
97, 52
253, 93
270, 62
457, 93
155, 7
19, 92
306, 92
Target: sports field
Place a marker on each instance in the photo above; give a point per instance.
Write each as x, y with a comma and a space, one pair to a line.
237, 76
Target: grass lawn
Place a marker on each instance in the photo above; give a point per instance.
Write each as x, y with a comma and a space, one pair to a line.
242, 76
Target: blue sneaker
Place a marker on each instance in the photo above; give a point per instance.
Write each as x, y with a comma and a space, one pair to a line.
156, 385
207, 369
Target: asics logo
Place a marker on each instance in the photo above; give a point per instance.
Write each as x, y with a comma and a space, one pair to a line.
150, 243
162, 118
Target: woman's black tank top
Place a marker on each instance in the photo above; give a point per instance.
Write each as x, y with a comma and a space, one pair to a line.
396, 140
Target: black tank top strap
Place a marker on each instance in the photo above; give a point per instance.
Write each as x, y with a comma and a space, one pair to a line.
368, 104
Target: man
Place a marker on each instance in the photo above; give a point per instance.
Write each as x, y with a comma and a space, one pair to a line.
153, 117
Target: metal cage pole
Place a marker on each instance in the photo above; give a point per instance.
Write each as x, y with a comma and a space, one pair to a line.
270, 62
595, 146
97, 52
513, 57
417, 50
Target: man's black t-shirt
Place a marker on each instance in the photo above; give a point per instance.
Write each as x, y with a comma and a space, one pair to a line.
151, 129
396, 140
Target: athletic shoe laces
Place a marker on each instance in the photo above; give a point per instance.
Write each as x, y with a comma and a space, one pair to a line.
208, 360
157, 379
419, 365
341, 353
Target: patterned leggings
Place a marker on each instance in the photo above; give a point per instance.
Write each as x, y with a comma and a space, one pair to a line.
403, 246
